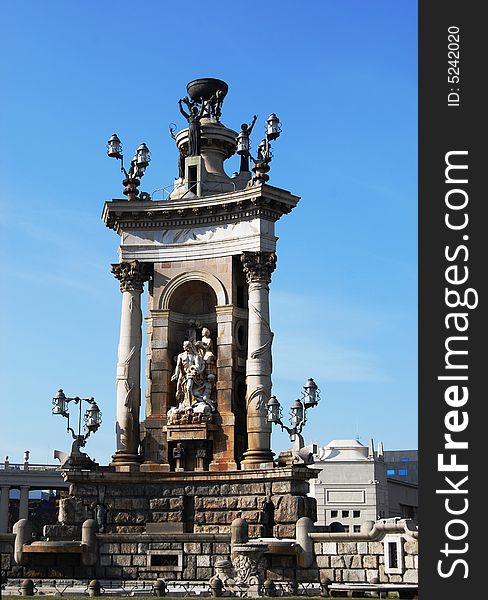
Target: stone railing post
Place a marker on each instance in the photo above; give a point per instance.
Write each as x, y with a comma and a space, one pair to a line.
258, 267
4, 506
89, 530
304, 543
131, 276
24, 502
23, 535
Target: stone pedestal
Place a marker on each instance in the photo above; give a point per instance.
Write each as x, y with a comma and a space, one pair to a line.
249, 564
192, 443
205, 174
270, 501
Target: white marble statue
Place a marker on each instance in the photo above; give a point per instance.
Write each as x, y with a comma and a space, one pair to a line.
195, 381
188, 373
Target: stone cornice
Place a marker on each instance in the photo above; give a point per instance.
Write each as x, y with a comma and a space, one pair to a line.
263, 201
157, 537
108, 476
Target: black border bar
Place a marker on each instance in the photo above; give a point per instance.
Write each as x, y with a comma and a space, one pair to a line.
453, 132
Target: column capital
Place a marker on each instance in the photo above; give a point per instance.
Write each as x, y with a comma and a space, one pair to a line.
132, 274
258, 266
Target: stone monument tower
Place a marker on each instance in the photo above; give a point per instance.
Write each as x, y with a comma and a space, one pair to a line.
196, 475
207, 253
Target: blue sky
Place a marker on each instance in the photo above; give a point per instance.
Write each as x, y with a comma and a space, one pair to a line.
342, 77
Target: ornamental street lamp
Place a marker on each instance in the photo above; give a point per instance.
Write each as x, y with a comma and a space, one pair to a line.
92, 419
138, 165
264, 156
261, 164
274, 129
298, 418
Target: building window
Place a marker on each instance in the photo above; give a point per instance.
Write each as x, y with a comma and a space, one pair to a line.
192, 179
333, 514
403, 472
390, 472
357, 528
346, 528
356, 514
345, 514
393, 549
165, 560
393, 555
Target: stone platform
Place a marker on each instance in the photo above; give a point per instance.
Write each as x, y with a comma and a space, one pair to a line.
271, 501
176, 525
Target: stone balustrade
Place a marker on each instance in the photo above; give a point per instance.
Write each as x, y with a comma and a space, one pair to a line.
25, 477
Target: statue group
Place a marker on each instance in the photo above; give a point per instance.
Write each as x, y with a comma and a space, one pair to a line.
195, 380
211, 109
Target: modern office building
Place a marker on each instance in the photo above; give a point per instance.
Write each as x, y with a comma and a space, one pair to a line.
402, 465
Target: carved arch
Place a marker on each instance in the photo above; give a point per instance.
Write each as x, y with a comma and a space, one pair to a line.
208, 278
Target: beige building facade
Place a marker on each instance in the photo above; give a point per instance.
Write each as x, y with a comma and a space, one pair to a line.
353, 487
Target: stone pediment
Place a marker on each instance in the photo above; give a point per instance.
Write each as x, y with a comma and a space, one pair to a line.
262, 201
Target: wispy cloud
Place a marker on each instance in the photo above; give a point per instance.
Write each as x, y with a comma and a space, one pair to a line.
325, 339
42, 234
47, 226
295, 356
52, 280
327, 314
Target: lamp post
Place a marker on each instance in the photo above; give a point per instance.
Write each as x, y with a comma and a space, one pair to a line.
298, 418
138, 165
92, 419
273, 128
261, 163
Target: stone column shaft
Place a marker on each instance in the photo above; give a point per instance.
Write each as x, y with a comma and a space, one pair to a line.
132, 276
258, 267
24, 502
4, 506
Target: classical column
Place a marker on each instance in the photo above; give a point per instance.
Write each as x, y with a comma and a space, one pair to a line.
258, 267
4, 505
24, 502
131, 276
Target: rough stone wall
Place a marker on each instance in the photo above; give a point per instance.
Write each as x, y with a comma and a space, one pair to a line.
270, 507
53, 566
6, 555
192, 556
128, 557
284, 568
129, 560
362, 561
